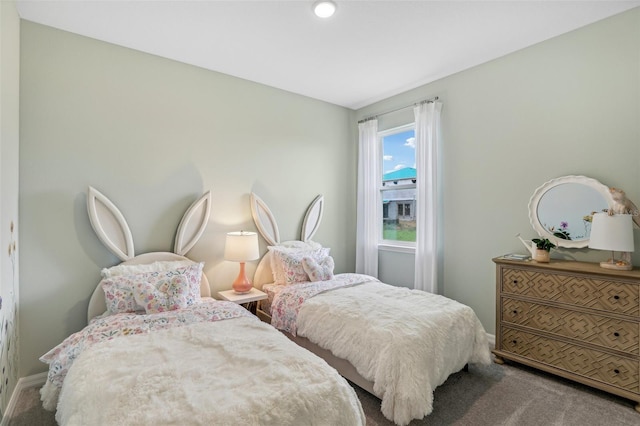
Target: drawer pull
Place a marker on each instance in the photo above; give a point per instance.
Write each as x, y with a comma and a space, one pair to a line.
616, 297
616, 371
515, 342
515, 281
616, 334
515, 312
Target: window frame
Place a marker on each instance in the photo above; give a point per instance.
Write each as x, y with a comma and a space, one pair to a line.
391, 245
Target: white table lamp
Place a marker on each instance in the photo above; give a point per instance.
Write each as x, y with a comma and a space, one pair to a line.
241, 247
613, 233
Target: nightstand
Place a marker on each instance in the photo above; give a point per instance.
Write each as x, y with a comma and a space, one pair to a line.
248, 300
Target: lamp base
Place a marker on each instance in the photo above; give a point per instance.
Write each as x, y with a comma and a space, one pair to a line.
619, 265
242, 285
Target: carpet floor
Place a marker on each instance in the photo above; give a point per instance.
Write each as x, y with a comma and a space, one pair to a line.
505, 395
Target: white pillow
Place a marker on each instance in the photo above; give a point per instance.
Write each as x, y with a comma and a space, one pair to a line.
304, 245
318, 271
158, 266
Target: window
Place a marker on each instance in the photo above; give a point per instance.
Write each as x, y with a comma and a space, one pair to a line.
398, 186
404, 211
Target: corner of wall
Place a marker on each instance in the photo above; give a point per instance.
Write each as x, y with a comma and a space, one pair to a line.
9, 148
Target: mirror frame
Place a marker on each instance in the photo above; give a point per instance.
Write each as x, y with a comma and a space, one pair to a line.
539, 193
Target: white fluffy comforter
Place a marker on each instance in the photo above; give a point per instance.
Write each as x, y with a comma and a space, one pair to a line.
407, 342
232, 372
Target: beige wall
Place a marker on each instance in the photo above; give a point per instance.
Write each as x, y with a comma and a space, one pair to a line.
9, 137
569, 105
152, 135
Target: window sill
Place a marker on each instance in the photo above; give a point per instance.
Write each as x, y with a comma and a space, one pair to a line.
398, 248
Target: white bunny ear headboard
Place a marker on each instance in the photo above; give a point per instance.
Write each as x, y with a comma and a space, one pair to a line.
312, 219
268, 227
109, 224
264, 220
192, 224
112, 228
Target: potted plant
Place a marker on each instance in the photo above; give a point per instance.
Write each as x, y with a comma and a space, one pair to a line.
543, 247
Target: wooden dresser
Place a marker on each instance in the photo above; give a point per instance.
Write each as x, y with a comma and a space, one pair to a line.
573, 319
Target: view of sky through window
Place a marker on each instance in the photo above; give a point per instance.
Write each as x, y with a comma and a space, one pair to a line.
399, 151
398, 191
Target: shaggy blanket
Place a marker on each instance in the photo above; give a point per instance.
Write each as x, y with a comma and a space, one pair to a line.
238, 371
209, 363
407, 342
108, 327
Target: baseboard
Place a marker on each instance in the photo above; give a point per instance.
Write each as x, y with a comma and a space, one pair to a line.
23, 383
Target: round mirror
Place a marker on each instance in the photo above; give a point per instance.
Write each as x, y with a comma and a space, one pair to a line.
561, 209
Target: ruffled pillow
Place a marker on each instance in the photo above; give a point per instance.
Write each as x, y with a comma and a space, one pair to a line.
300, 245
160, 265
119, 290
286, 263
318, 271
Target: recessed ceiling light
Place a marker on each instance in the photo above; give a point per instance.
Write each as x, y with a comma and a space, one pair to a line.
324, 9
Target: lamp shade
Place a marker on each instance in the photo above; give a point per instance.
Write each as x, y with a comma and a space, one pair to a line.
613, 233
241, 246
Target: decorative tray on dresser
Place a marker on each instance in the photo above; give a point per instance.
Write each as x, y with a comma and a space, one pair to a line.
573, 319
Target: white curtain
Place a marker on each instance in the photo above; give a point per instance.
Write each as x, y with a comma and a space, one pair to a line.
368, 224
427, 116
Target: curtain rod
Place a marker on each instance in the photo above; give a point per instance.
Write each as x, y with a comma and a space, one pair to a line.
425, 101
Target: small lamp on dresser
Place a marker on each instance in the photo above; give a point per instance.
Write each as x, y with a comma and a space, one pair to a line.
615, 233
241, 247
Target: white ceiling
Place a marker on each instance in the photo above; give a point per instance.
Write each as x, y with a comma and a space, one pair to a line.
368, 51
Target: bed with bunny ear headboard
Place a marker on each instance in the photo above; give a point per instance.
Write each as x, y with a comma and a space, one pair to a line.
389, 340
267, 226
112, 229
161, 352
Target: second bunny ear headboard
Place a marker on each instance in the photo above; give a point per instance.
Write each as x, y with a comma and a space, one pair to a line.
112, 228
312, 218
268, 227
264, 220
192, 224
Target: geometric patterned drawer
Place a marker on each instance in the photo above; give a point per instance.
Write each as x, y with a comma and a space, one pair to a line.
610, 369
604, 295
595, 329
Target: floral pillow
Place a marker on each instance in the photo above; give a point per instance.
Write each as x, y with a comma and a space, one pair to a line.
170, 295
318, 271
119, 290
118, 294
287, 263
288, 247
